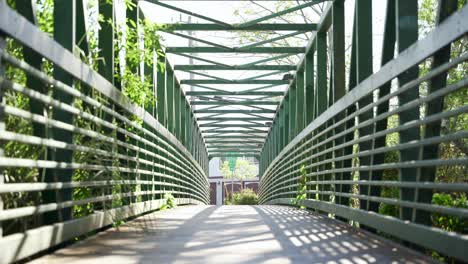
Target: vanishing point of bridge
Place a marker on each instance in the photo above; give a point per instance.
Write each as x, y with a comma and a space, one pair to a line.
100, 127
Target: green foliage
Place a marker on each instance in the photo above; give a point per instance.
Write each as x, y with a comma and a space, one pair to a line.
391, 174
450, 223
226, 170
45, 15
244, 169
136, 86
244, 197
139, 51
168, 202
118, 223
301, 188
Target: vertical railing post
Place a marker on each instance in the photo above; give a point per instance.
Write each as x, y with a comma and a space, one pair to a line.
348, 163
170, 106
292, 120
388, 52
275, 141
27, 10
338, 81
287, 124
106, 41
106, 63
292, 110
182, 110
2, 114
148, 74
428, 174
321, 94
186, 123
309, 86
300, 91
161, 108
364, 69
177, 104
309, 99
170, 97
406, 35
189, 130
161, 90
321, 98
132, 24
64, 33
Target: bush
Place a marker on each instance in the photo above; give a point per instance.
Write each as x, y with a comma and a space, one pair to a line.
245, 197
168, 203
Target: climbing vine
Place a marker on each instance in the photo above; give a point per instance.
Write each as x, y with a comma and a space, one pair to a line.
139, 42
301, 188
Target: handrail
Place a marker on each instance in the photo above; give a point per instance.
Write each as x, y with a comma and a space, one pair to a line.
123, 161
326, 152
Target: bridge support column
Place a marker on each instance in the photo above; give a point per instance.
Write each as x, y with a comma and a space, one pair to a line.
64, 33
2, 118
406, 35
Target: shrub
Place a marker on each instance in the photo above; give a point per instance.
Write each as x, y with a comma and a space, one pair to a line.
245, 197
449, 223
169, 202
301, 189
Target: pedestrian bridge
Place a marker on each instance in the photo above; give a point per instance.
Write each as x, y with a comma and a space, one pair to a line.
362, 149
234, 234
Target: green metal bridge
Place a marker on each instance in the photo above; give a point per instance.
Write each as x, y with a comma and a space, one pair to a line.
370, 156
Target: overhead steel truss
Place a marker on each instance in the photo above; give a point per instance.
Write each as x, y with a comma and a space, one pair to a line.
322, 138
239, 113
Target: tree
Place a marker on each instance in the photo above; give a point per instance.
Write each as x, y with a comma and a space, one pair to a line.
227, 174
244, 169
255, 9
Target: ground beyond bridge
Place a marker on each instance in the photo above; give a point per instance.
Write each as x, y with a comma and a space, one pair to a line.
234, 234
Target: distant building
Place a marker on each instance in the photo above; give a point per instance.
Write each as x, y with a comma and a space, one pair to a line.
219, 185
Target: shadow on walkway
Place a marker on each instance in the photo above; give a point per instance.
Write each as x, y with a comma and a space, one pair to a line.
234, 234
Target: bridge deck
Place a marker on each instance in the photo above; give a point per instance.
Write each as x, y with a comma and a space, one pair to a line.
233, 234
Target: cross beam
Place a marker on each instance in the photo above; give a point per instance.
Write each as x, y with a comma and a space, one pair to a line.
234, 111
218, 151
233, 125
234, 137
232, 147
235, 68
225, 119
257, 27
227, 93
234, 103
232, 142
221, 155
205, 81
236, 131
289, 50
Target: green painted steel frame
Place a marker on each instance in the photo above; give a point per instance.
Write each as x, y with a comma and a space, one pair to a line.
157, 158
317, 109
330, 114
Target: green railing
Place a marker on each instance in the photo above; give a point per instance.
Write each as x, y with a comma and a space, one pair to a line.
376, 155
76, 155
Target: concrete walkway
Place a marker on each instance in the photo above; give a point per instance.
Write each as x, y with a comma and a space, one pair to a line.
233, 234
